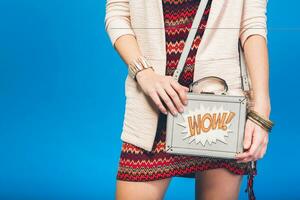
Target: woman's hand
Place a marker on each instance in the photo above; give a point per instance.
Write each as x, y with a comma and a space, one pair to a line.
256, 139
164, 88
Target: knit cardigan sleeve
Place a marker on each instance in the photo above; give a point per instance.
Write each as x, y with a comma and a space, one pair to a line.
117, 19
254, 19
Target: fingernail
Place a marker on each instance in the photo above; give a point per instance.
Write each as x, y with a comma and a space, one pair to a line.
185, 102
181, 110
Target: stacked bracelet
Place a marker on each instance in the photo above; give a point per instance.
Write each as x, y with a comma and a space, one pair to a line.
260, 120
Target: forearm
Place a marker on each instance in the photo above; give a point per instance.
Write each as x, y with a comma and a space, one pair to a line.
118, 27
127, 48
256, 55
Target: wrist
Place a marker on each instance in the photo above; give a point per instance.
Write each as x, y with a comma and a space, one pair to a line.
262, 107
137, 65
144, 73
261, 102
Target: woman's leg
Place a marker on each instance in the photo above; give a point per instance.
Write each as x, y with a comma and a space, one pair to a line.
217, 184
150, 190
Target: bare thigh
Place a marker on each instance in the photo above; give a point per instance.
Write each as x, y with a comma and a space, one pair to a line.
217, 184
150, 190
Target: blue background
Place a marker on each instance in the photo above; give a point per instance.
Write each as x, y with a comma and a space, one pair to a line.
56, 70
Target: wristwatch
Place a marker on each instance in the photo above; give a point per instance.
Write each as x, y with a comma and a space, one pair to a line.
137, 65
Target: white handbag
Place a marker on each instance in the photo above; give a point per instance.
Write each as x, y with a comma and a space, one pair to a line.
213, 122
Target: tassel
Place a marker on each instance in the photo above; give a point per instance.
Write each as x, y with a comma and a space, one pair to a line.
249, 188
250, 181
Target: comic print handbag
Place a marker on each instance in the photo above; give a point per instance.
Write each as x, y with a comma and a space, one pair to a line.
213, 121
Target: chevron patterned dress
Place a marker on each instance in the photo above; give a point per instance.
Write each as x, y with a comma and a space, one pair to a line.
136, 164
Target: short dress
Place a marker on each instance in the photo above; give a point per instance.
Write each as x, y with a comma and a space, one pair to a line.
137, 164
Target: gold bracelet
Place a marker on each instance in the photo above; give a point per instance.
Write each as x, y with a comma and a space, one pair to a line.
269, 124
256, 114
260, 120
258, 123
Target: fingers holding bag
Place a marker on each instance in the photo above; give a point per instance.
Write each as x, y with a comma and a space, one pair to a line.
166, 93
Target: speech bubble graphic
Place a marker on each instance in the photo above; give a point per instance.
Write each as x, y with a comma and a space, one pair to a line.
207, 125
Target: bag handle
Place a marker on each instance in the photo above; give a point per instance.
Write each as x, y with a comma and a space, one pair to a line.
189, 42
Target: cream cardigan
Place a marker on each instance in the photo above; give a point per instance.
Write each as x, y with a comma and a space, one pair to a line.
217, 54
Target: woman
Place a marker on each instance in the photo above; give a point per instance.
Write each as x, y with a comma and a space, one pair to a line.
154, 31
